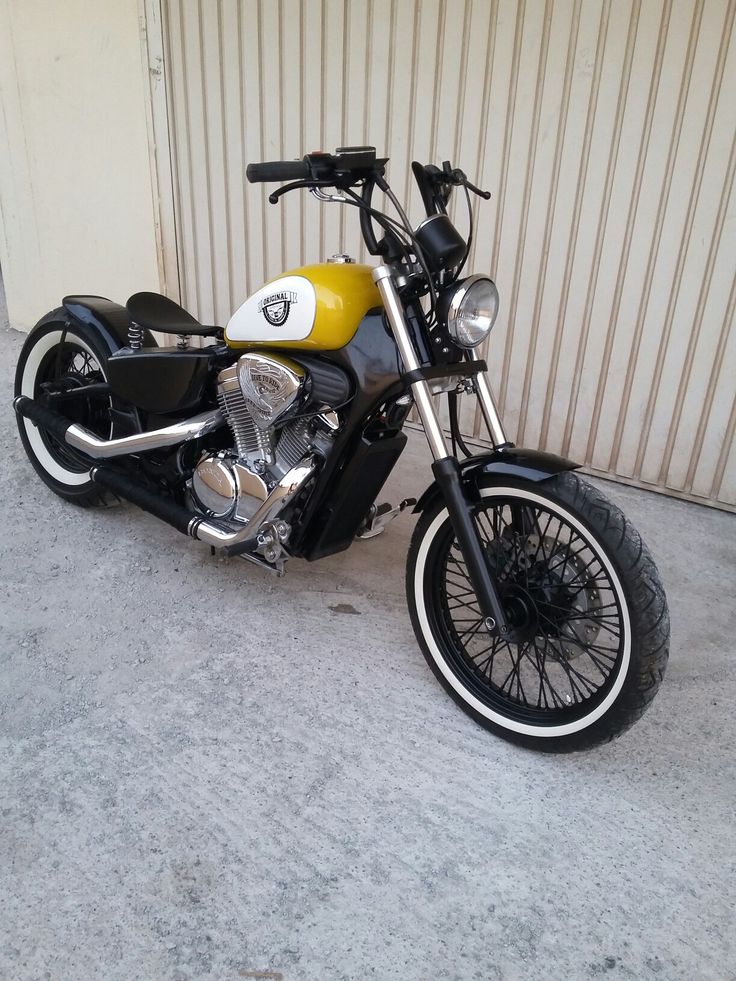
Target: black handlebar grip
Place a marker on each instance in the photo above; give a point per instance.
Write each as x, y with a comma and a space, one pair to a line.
278, 170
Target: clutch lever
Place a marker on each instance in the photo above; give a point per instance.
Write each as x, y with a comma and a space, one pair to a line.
295, 185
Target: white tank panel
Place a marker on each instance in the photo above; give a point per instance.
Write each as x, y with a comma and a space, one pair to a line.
284, 310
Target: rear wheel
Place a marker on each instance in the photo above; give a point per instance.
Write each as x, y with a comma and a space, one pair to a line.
584, 599
60, 357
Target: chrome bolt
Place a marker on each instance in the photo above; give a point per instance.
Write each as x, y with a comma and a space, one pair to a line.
283, 530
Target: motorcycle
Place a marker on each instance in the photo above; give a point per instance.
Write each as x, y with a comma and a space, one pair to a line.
534, 600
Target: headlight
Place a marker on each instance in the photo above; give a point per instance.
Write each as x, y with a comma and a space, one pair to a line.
472, 311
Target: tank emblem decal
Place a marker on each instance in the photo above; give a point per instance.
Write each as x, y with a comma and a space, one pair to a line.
283, 310
275, 307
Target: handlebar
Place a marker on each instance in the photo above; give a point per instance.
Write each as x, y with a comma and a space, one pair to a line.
346, 167
427, 191
355, 166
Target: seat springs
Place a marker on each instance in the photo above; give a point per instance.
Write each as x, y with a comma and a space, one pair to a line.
135, 336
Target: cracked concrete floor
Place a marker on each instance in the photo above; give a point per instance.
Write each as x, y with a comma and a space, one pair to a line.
209, 773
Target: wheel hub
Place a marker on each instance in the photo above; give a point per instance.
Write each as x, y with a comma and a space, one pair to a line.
521, 611
541, 596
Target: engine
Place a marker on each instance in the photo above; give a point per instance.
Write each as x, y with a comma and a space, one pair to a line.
257, 396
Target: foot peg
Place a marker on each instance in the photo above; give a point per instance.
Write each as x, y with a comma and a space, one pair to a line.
381, 515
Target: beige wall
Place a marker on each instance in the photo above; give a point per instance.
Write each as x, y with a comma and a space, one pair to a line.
76, 200
605, 132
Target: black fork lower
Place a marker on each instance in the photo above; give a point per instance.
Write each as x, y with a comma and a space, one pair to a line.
460, 508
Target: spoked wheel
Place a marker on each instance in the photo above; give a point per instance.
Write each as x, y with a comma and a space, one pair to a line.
588, 616
58, 358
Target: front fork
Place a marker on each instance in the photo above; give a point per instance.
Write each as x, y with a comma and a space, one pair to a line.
445, 467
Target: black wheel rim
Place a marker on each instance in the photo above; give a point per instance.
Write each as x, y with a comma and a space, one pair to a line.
66, 367
560, 598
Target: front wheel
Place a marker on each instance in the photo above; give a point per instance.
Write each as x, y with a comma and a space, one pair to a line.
582, 594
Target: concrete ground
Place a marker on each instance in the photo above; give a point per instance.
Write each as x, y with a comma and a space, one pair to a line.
206, 772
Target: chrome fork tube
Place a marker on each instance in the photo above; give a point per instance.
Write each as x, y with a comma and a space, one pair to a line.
488, 406
420, 389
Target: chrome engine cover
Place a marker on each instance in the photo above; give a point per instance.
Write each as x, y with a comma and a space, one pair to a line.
224, 488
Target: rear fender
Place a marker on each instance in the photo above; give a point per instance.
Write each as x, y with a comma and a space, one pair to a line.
532, 465
109, 319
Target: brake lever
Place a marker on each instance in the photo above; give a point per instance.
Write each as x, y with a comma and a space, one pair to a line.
486, 195
450, 175
458, 176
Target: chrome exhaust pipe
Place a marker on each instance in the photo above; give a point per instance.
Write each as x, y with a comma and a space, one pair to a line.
102, 449
156, 439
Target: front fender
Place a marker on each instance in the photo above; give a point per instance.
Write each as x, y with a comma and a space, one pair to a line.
513, 461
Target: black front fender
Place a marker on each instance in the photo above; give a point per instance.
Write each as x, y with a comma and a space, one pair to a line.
533, 465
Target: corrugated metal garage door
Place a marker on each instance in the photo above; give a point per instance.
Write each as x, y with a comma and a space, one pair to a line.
605, 131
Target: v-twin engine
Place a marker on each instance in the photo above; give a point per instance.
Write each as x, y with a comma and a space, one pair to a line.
258, 395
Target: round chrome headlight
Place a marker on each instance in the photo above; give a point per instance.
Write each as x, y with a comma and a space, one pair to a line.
472, 311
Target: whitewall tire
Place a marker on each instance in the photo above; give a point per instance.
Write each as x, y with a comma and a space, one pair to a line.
592, 626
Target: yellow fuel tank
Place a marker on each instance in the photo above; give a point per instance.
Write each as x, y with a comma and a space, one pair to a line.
313, 308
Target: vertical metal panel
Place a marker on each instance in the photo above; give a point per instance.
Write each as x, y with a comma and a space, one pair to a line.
605, 131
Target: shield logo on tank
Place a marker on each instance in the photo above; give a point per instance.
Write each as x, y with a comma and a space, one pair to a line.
275, 308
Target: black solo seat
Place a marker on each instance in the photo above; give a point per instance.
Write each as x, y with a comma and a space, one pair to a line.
157, 312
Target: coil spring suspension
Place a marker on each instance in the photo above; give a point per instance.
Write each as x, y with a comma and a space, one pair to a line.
135, 336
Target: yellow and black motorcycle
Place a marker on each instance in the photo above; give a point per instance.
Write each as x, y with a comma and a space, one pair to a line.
536, 603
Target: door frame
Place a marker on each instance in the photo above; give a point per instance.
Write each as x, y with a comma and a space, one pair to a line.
153, 48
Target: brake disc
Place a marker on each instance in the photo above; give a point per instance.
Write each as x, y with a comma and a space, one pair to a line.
566, 576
